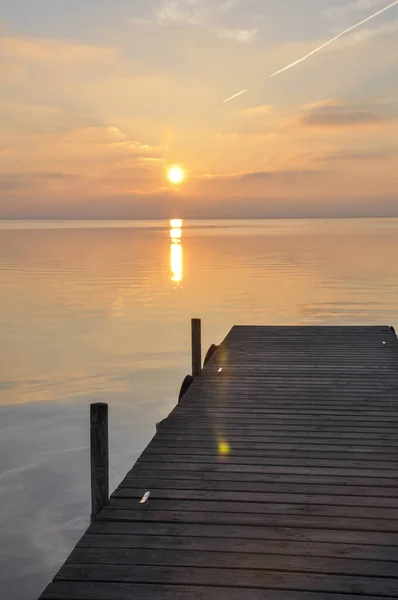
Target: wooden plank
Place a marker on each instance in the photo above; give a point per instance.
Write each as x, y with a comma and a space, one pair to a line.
239, 406
271, 436
289, 390
325, 369
243, 448
292, 477
276, 580
248, 419
352, 468
241, 546
320, 363
253, 428
314, 382
204, 419
265, 407
233, 560
207, 421
273, 360
279, 506
302, 374
254, 520
309, 459
249, 495
207, 486
242, 443
276, 389
70, 590
299, 414
273, 395
263, 455
236, 532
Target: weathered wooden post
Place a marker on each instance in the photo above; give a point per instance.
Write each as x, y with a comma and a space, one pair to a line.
99, 451
196, 348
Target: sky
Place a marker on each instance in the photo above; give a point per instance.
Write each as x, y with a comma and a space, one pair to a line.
99, 97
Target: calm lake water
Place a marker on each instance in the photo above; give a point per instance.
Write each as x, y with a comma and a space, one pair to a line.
101, 312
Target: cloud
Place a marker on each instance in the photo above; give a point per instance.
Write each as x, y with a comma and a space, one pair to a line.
353, 7
61, 54
203, 13
365, 34
95, 154
20, 181
359, 155
238, 35
336, 114
192, 12
285, 175
258, 111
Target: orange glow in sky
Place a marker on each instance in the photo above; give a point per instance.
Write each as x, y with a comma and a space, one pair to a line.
82, 137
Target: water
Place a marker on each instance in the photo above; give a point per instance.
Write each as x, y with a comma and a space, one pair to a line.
100, 312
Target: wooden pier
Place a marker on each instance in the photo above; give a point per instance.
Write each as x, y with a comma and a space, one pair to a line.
275, 478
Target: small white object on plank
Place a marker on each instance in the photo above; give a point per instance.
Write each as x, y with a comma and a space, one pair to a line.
145, 497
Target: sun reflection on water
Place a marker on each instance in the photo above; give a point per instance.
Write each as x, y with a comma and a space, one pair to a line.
176, 223
176, 254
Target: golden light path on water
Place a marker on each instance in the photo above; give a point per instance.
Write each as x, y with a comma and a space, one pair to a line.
176, 254
176, 266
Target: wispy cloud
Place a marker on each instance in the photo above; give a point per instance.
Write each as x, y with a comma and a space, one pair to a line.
285, 174
258, 111
367, 33
193, 12
17, 181
238, 35
336, 114
270, 174
353, 7
367, 155
62, 54
209, 14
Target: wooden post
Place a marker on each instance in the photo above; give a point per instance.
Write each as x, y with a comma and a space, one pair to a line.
196, 348
99, 451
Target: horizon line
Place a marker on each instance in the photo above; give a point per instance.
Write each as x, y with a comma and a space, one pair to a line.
232, 218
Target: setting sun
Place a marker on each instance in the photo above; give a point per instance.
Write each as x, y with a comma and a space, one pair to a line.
176, 175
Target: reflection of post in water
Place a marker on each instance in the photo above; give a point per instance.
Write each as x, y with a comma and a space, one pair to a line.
176, 250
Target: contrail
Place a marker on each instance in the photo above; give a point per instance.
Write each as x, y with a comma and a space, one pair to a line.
244, 91
300, 60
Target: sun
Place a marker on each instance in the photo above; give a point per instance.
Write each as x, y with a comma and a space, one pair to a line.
176, 175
